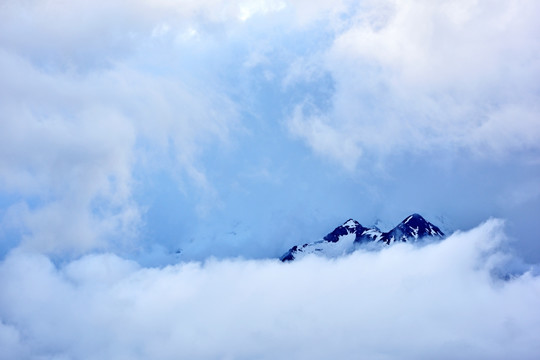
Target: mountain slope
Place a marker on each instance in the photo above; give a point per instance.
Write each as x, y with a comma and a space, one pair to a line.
347, 237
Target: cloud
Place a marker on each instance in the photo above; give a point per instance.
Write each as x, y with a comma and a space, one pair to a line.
55, 36
81, 110
404, 302
98, 111
67, 154
318, 131
416, 76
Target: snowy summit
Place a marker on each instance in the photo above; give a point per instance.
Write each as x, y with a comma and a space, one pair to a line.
345, 238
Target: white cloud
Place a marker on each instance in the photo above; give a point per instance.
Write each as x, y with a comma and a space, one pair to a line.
10, 341
325, 139
68, 151
72, 130
250, 8
438, 301
95, 92
422, 76
82, 34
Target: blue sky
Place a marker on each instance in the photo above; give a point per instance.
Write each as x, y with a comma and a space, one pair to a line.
157, 157
240, 128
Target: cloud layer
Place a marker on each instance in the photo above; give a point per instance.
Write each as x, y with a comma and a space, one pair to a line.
404, 302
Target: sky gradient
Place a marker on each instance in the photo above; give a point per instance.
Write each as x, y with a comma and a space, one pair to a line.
140, 134
240, 128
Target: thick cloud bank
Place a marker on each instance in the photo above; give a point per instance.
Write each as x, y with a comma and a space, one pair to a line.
438, 301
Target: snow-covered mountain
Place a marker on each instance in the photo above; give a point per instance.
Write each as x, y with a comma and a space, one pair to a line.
347, 237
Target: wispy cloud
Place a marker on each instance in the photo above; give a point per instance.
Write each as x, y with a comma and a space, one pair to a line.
75, 125
421, 76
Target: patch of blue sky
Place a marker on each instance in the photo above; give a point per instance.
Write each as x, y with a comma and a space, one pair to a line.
11, 230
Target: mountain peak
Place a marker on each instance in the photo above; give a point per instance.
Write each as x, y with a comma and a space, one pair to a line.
351, 223
413, 217
414, 227
349, 227
345, 238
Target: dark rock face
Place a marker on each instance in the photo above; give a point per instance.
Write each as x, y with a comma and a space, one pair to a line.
349, 227
288, 256
413, 228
